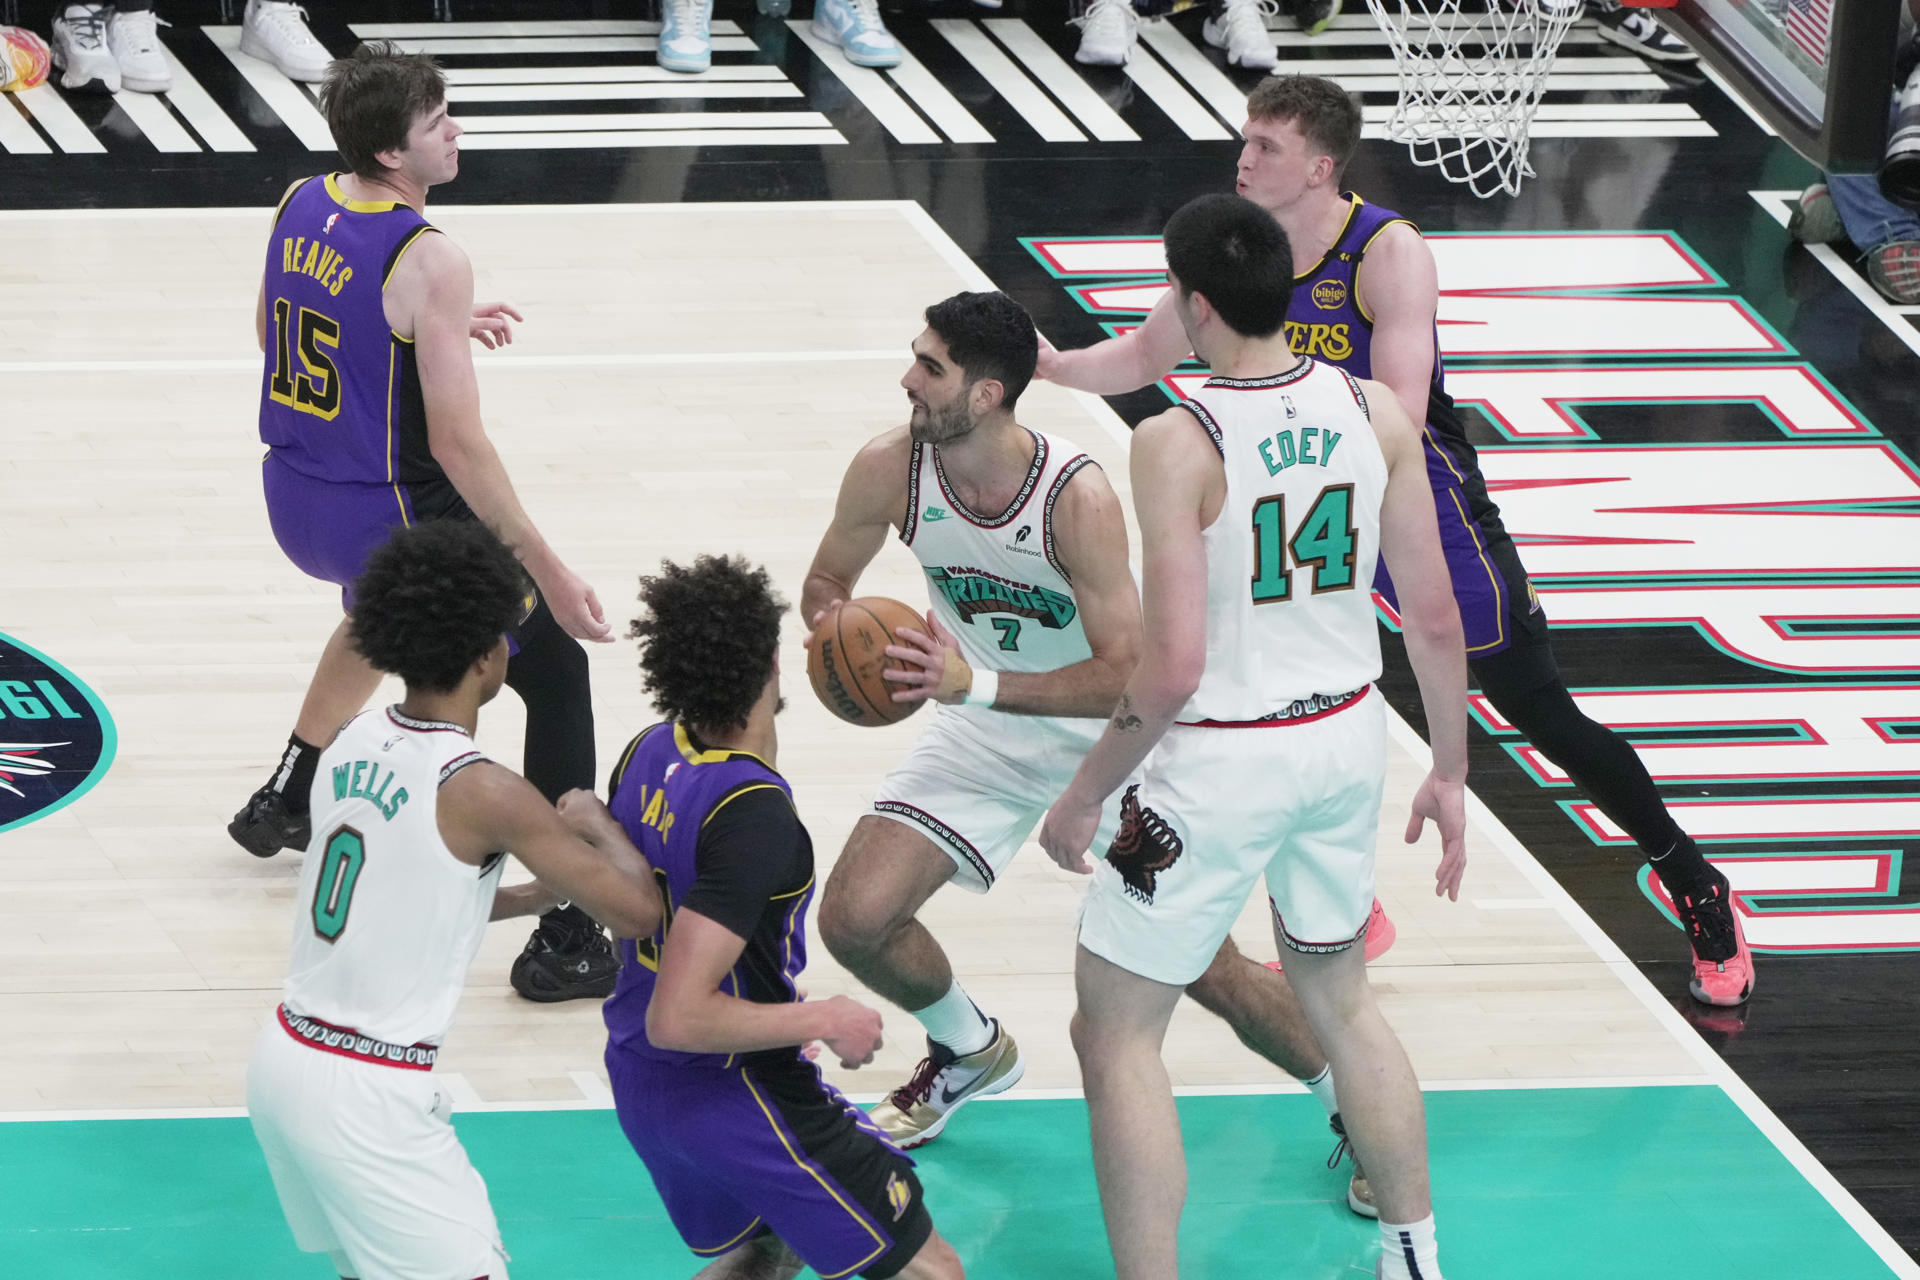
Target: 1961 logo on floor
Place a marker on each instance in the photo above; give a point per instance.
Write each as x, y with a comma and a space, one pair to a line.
56, 739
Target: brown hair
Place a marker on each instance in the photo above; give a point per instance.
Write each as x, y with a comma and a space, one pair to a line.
372, 97
1326, 115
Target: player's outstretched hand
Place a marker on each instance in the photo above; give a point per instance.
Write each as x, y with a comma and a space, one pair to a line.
1068, 831
820, 616
575, 607
489, 325
938, 670
1446, 803
1048, 363
853, 1034
585, 814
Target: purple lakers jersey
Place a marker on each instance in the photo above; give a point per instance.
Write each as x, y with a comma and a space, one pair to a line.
670, 794
340, 394
1326, 321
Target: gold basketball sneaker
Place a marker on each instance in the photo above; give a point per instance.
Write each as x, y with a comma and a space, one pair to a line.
918, 1110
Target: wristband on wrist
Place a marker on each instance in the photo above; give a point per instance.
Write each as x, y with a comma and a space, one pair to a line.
985, 687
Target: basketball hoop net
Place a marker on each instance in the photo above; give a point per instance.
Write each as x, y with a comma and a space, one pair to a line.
1470, 82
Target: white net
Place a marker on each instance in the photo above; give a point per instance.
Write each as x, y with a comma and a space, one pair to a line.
1471, 76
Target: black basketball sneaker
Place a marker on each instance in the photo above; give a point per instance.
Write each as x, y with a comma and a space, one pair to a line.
266, 825
569, 957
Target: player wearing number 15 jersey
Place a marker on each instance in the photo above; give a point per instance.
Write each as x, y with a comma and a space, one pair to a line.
371, 417
411, 827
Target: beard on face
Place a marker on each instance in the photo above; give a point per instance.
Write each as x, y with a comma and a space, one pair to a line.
932, 424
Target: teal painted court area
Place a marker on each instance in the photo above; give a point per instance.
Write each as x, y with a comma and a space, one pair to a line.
1567, 1183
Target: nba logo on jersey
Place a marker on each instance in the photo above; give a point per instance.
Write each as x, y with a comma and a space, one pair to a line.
331, 219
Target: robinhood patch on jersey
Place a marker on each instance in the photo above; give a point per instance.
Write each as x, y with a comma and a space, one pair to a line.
56, 739
972, 593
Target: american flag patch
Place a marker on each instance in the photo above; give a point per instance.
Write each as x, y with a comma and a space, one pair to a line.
1808, 23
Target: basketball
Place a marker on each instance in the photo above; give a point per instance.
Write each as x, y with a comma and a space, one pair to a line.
848, 654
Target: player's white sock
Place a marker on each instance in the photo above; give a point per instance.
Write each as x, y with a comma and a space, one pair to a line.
955, 1021
1408, 1251
1322, 1088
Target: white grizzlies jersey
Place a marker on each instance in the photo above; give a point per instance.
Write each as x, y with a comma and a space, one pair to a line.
1290, 559
996, 581
388, 920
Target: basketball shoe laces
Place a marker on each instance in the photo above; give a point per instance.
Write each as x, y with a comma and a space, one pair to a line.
1709, 920
868, 11
142, 31
1245, 21
287, 21
89, 29
686, 15
919, 1087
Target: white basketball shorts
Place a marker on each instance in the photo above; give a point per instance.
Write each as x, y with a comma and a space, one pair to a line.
978, 782
367, 1164
1296, 802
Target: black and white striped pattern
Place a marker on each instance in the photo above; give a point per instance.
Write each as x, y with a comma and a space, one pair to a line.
594, 83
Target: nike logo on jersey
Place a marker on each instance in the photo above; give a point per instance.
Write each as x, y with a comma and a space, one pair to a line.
932, 514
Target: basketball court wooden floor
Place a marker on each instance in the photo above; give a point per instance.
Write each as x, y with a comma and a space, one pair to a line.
661, 405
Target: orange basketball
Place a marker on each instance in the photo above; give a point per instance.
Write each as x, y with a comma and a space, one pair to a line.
848, 653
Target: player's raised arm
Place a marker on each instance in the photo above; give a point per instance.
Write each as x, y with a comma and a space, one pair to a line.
1430, 621
872, 500
1090, 541
1122, 364
1399, 284
1176, 476
486, 808
432, 292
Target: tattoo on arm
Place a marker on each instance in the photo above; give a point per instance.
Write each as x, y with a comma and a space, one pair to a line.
1124, 719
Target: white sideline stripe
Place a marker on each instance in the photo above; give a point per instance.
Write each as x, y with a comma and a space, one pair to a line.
1158, 83
1228, 99
624, 72
294, 108
153, 119
596, 1096
1721, 83
68, 131
485, 363
659, 138
592, 1087
1556, 83
998, 70
1779, 206
191, 99
1291, 37
1713, 1066
570, 44
933, 98
459, 1089
1342, 68
1079, 97
17, 136
680, 88
684, 120
561, 27
874, 93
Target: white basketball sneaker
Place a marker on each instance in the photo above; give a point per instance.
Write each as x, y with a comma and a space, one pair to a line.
276, 31
856, 27
1108, 31
686, 35
1241, 29
134, 41
80, 52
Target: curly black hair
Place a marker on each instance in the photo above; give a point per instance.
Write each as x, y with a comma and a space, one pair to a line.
708, 639
435, 599
989, 335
